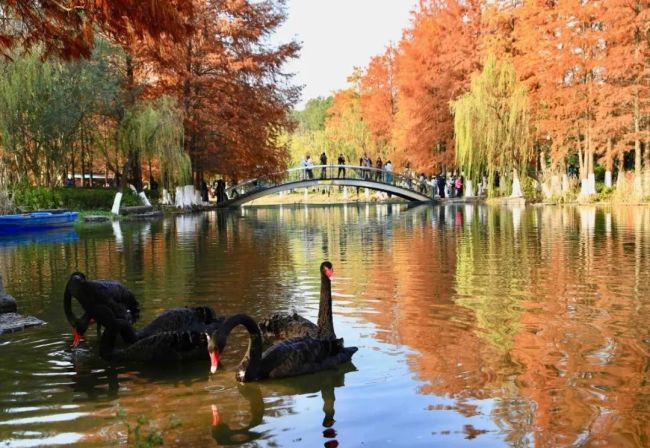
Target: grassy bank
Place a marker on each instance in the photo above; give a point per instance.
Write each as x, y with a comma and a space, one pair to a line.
27, 198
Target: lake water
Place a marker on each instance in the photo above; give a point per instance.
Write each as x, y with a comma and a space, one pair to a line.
476, 326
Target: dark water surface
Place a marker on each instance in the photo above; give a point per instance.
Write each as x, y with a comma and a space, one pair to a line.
476, 326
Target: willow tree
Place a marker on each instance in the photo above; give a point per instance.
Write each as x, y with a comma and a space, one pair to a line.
52, 111
155, 129
491, 125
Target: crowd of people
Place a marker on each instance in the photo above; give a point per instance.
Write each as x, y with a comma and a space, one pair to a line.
443, 185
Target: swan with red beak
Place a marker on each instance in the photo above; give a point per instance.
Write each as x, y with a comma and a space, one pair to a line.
317, 341
95, 294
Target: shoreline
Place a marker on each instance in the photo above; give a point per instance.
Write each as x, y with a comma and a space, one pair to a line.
317, 200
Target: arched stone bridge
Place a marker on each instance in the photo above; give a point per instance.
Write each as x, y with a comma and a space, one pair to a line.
399, 185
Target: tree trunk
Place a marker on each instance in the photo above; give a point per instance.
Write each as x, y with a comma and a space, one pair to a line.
588, 184
128, 166
83, 164
638, 190
609, 164
120, 189
621, 170
582, 157
136, 171
90, 164
469, 188
516, 185
71, 167
646, 168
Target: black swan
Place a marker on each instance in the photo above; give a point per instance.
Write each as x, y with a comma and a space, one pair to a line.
168, 347
198, 319
97, 293
296, 356
175, 335
282, 326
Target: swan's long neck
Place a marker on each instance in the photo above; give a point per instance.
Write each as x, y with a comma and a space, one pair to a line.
325, 321
67, 307
107, 341
114, 327
249, 368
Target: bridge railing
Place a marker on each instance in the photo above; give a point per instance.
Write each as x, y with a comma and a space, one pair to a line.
343, 172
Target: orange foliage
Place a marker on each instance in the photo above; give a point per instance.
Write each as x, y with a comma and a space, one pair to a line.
378, 96
627, 97
560, 55
585, 65
230, 83
65, 27
345, 125
407, 95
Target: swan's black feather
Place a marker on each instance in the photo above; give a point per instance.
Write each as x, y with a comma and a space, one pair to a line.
122, 298
282, 326
175, 335
165, 347
299, 356
196, 319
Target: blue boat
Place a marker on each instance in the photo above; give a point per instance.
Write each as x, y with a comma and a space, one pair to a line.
28, 222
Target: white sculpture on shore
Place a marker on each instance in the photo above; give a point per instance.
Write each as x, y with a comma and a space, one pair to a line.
117, 202
166, 198
186, 197
588, 186
469, 189
608, 179
516, 186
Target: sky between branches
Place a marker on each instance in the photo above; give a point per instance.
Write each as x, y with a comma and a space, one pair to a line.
338, 35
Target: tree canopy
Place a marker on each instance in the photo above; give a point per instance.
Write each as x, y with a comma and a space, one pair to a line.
491, 123
584, 68
107, 89
67, 27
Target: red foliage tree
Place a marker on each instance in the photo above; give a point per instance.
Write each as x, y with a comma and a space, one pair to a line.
66, 27
435, 60
559, 54
626, 26
230, 82
378, 96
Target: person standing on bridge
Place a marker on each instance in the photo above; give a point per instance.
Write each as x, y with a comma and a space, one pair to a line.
310, 164
408, 176
389, 172
303, 168
441, 185
459, 186
323, 161
341, 162
379, 174
422, 183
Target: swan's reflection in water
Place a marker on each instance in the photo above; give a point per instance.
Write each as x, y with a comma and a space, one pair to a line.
95, 380
226, 431
92, 380
240, 414
97, 386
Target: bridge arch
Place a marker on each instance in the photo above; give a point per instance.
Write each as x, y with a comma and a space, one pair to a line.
331, 175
